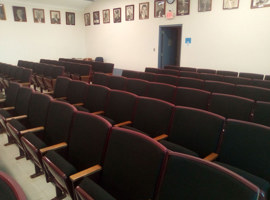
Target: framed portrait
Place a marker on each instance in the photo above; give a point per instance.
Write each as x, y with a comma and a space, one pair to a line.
106, 16
144, 10
39, 16
55, 17
87, 21
260, 3
129, 15
96, 18
204, 5
70, 18
19, 14
2, 12
182, 7
230, 4
159, 8
117, 15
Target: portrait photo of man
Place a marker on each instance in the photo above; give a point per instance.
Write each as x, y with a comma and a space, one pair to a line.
19, 14
205, 5
230, 4
129, 12
38, 15
260, 3
87, 21
183, 7
2, 12
96, 18
159, 8
144, 10
106, 16
55, 17
117, 15
70, 18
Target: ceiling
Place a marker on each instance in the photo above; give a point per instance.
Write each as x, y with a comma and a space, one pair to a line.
63, 3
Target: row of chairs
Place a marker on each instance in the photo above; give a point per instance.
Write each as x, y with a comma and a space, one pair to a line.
229, 106
153, 75
98, 66
14, 73
218, 72
118, 82
44, 75
152, 169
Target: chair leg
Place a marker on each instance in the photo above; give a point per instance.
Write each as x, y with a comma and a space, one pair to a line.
37, 173
22, 155
10, 141
59, 194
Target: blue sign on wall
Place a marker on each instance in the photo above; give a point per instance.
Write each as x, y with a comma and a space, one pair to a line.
188, 41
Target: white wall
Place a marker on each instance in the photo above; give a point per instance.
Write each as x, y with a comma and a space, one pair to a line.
237, 40
32, 41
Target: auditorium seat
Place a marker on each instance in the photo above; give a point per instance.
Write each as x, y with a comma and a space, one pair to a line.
137, 86
152, 116
208, 71
100, 78
122, 177
188, 69
84, 148
161, 91
56, 130
238, 80
251, 75
219, 87
191, 97
130, 74
10, 189
231, 106
76, 92
261, 113
10, 95
252, 92
95, 98
227, 73
116, 82
61, 87
194, 131
173, 67
191, 82
152, 70
245, 150
267, 77
147, 76
212, 77
168, 79
49, 82
189, 74
170, 72
36, 117
261, 83
119, 107
188, 177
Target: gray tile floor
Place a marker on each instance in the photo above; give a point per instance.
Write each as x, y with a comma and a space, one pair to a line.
20, 170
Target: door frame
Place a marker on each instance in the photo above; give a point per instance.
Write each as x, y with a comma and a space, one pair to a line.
161, 27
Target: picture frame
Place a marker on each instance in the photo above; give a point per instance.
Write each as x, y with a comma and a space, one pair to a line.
117, 15
182, 7
106, 16
129, 13
39, 16
96, 18
55, 17
260, 3
230, 4
204, 5
19, 14
144, 10
159, 8
70, 18
87, 21
2, 12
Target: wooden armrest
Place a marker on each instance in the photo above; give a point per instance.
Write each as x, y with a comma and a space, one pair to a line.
17, 117
86, 172
98, 112
40, 128
123, 123
51, 92
61, 98
211, 157
161, 137
2, 100
53, 147
78, 104
9, 108
25, 84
